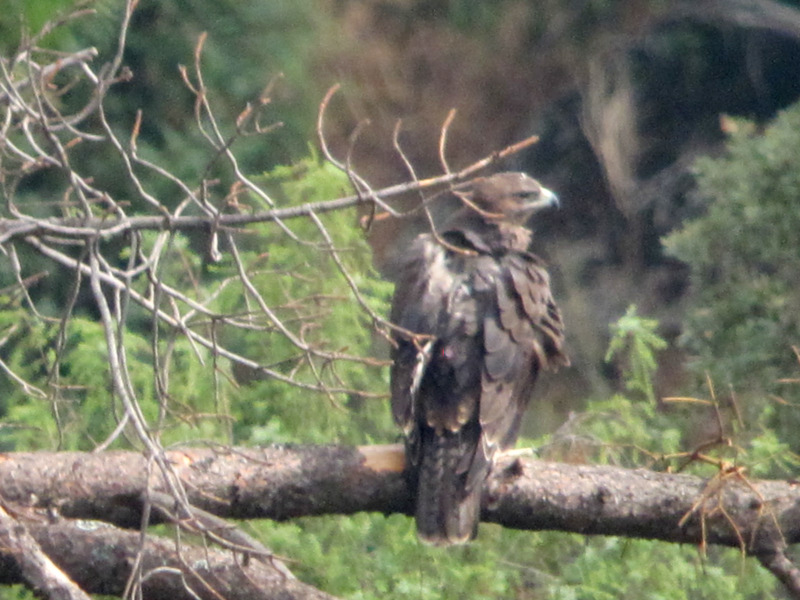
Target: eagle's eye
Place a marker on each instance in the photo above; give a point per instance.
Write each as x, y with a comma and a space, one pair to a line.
526, 194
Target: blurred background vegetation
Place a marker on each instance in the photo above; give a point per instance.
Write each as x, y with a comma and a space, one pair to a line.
670, 204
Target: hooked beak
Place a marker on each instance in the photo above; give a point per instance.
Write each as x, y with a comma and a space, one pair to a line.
546, 199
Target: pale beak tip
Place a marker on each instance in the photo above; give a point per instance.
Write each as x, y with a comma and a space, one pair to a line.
549, 199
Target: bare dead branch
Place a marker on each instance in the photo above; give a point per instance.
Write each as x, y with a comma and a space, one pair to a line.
334, 253
412, 172
359, 183
111, 228
182, 325
48, 71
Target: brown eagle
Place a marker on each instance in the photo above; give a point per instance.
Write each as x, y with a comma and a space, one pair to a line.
485, 322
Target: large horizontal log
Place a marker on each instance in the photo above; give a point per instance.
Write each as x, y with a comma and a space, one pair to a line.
282, 482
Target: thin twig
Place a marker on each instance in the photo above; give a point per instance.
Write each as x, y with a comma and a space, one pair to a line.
443, 140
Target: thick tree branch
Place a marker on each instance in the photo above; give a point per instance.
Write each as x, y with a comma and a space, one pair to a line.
99, 558
784, 569
279, 482
283, 482
31, 565
754, 516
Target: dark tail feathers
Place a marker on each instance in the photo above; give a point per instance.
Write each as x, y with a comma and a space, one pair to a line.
448, 510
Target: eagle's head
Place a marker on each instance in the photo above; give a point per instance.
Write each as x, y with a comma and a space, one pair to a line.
510, 197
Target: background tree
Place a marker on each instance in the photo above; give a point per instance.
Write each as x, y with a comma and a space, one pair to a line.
741, 327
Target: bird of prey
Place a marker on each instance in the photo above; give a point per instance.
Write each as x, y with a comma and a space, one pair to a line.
476, 323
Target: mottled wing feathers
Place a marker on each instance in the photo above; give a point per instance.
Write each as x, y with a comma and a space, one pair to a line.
522, 336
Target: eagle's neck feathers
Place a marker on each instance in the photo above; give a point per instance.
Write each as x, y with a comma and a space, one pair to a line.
487, 237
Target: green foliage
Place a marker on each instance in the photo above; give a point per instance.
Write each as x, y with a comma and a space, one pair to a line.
507, 564
392, 562
638, 336
18, 16
744, 313
78, 413
72, 406
615, 568
631, 433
